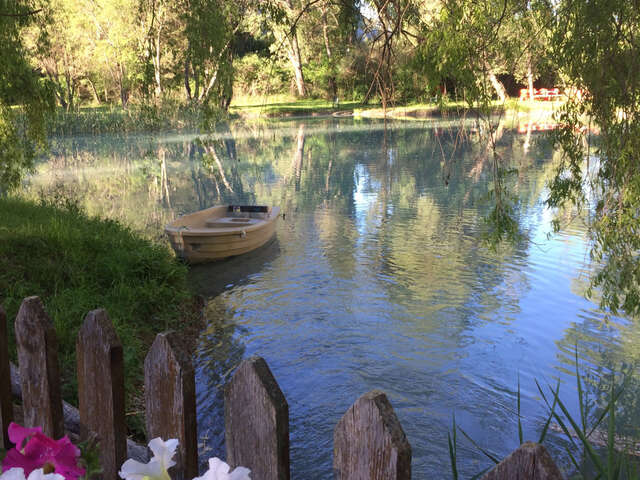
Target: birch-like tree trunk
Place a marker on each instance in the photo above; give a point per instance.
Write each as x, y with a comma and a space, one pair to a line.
296, 63
530, 80
497, 86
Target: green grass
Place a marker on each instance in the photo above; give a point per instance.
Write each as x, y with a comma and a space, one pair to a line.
75, 264
282, 105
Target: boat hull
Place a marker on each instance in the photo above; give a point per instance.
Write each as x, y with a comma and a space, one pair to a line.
195, 242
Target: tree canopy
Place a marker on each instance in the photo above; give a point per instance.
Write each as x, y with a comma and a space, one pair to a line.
202, 53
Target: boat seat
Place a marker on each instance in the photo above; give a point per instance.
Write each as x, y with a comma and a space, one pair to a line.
230, 222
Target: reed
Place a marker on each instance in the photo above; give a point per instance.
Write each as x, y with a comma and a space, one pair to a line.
137, 118
590, 459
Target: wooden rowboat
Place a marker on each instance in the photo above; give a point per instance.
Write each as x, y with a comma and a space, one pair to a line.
222, 231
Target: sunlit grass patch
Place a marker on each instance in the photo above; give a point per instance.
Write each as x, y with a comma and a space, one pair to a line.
287, 105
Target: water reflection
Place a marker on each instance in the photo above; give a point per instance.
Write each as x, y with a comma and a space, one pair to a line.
378, 278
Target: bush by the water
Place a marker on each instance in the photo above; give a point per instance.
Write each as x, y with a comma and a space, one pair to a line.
76, 263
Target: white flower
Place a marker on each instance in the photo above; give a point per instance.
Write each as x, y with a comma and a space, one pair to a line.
39, 474
157, 467
13, 474
219, 470
18, 474
164, 451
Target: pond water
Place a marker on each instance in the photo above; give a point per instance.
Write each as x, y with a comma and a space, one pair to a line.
378, 277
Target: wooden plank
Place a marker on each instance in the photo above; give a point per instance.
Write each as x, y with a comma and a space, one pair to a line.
38, 361
369, 443
6, 405
170, 396
101, 390
256, 418
530, 461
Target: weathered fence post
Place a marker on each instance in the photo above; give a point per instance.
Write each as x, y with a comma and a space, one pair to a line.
369, 443
256, 419
530, 461
170, 396
6, 405
38, 358
101, 390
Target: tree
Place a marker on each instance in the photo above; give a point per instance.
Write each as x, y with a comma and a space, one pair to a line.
118, 42
596, 46
385, 26
63, 54
22, 129
283, 17
210, 30
165, 28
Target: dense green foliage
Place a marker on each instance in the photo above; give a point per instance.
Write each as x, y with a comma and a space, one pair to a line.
597, 47
172, 64
75, 264
25, 102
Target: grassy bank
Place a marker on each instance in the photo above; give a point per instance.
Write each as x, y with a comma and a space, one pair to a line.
76, 264
176, 116
431, 110
168, 116
280, 106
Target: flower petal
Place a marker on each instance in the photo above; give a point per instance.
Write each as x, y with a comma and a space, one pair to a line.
18, 434
240, 473
61, 454
40, 475
133, 470
164, 451
15, 473
15, 459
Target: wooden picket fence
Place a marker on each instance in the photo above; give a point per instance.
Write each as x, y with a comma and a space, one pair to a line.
369, 443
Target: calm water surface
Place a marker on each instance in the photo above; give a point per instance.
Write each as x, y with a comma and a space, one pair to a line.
378, 277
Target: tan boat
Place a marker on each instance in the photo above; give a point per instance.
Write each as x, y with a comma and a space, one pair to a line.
222, 231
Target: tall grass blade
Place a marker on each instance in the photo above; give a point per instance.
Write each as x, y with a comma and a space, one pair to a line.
552, 410
583, 415
520, 435
490, 456
453, 450
575, 463
606, 410
581, 435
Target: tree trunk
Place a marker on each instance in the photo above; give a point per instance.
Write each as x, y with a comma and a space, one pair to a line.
296, 64
498, 87
124, 94
187, 87
196, 82
530, 80
333, 89
96, 98
156, 63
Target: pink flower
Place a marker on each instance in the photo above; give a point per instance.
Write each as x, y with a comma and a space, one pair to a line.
18, 434
35, 450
